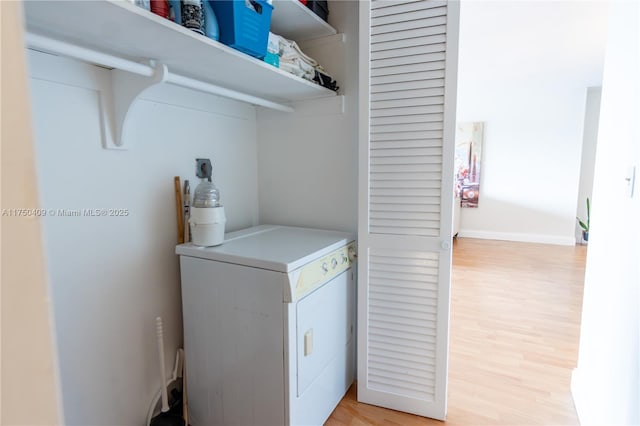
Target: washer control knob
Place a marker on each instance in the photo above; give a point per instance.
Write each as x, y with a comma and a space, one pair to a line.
325, 267
334, 263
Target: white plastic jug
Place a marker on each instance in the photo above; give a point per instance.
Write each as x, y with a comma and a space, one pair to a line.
207, 218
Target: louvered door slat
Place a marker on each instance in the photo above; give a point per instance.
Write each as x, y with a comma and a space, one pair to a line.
406, 111
393, 89
408, 51
402, 358
406, 143
401, 187
401, 269
410, 330
396, 386
392, 168
401, 202
414, 343
406, 77
409, 60
402, 161
415, 33
380, 45
383, 170
408, 94
408, 208
416, 337
403, 364
409, 216
390, 25
389, 18
407, 103
407, 119
390, 367
385, 289
390, 7
406, 274
383, 129
410, 342
392, 290
382, 126
427, 135
385, 306
406, 183
426, 314
407, 85
430, 261
418, 67
422, 314
402, 152
408, 230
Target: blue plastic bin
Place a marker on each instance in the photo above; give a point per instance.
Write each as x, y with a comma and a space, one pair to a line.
244, 24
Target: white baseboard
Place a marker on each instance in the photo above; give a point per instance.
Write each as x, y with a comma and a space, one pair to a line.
512, 236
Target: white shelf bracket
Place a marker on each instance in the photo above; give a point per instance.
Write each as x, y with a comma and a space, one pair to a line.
117, 101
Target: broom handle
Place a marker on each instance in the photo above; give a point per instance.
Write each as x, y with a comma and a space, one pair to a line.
179, 209
163, 378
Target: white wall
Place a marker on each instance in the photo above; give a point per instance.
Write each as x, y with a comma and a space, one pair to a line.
307, 160
29, 387
111, 276
588, 162
606, 384
523, 70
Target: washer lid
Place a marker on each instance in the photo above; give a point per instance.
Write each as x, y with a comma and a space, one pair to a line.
277, 248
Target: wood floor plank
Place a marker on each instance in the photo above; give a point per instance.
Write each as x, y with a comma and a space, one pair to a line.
515, 325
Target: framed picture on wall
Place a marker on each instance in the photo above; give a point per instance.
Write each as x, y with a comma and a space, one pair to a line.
468, 157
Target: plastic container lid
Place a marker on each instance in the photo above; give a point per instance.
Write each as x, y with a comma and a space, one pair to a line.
206, 195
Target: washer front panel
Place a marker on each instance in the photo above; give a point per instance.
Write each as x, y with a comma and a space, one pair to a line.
318, 272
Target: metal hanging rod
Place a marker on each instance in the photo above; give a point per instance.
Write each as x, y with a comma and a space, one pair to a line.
47, 44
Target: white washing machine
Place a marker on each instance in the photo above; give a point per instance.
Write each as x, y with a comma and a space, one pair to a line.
269, 326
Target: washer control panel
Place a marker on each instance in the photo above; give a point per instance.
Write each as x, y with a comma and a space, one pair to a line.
324, 269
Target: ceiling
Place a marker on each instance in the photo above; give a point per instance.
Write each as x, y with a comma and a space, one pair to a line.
561, 42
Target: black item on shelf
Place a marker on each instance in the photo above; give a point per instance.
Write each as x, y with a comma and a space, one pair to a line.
319, 7
325, 80
192, 15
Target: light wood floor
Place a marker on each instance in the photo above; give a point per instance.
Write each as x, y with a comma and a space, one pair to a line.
515, 321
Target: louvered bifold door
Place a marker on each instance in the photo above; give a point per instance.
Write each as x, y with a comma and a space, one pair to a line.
408, 61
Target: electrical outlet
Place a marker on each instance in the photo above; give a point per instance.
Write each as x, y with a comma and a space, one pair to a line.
204, 169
